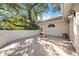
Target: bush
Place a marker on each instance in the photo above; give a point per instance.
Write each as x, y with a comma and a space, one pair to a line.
33, 27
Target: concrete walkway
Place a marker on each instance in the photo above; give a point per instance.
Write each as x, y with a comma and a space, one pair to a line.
51, 46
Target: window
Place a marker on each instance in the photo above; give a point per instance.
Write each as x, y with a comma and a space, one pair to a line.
51, 25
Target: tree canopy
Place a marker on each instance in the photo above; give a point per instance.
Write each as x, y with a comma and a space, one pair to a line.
24, 15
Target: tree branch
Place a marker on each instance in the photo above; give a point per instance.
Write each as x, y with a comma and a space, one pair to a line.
16, 24
34, 4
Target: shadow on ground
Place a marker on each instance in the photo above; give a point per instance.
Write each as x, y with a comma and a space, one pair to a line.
53, 46
59, 46
29, 47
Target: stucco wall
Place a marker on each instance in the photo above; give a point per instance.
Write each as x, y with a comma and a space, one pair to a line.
66, 8
76, 41
60, 28
75, 27
73, 31
7, 36
76, 7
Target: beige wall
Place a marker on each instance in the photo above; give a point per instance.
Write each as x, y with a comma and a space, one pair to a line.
74, 33
60, 28
76, 7
7, 36
66, 8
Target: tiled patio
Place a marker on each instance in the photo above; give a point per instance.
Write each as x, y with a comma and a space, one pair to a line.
34, 46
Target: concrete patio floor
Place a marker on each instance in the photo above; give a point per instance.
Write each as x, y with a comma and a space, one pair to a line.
34, 46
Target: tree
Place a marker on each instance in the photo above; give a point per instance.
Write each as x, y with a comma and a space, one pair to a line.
26, 13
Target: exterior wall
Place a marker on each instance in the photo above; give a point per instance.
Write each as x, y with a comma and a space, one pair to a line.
66, 8
75, 27
76, 7
74, 24
60, 28
77, 32
7, 36
73, 31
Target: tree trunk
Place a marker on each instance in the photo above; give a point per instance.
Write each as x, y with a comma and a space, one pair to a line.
30, 16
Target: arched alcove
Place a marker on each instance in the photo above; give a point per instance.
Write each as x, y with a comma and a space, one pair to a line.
51, 25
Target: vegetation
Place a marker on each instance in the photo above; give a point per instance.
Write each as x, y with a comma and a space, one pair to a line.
22, 16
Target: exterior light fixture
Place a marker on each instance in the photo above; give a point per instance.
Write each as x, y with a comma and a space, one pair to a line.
72, 14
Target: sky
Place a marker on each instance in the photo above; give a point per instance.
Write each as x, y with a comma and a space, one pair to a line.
50, 13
